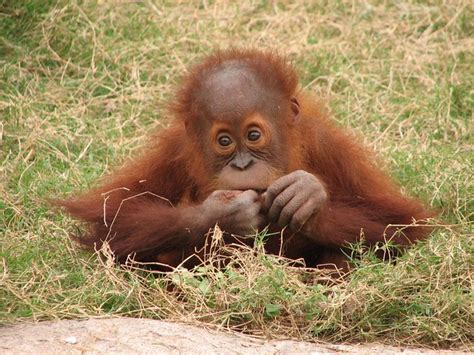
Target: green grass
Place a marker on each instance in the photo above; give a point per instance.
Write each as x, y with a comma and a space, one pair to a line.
82, 84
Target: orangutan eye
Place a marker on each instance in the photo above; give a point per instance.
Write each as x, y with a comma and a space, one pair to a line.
253, 135
224, 141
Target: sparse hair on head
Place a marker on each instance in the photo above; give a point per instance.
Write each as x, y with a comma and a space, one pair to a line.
271, 69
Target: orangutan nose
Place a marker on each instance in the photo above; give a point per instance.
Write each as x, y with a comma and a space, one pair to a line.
242, 161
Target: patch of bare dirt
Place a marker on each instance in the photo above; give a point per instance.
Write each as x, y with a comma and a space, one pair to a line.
131, 335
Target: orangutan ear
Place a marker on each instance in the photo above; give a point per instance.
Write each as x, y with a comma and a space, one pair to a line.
295, 109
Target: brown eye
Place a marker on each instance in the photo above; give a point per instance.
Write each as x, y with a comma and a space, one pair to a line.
253, 135
224, 141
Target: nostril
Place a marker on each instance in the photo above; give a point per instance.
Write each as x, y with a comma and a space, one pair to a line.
249, 163
237, 166
241, 164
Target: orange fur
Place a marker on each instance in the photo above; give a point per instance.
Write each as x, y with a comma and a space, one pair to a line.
152, 204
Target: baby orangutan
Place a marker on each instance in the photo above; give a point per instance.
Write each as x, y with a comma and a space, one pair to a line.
247, 149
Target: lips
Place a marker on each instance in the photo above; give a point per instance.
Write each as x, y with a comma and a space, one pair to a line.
258, 178
244, 181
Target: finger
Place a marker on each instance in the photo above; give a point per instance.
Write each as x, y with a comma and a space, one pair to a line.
302, 215
251, 195
281, 201
290, 209
257, 223
253, 209
245, 199
216, 193
276, 188
265, 205
230, 202
225, 195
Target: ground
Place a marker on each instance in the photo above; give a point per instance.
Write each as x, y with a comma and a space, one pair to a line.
130, 335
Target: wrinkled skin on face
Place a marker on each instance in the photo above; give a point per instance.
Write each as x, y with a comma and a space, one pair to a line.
240, 130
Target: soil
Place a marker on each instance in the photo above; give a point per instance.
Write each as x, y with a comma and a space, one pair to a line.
131, 335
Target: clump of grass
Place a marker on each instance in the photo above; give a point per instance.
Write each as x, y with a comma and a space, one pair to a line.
422, 299
81, 85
